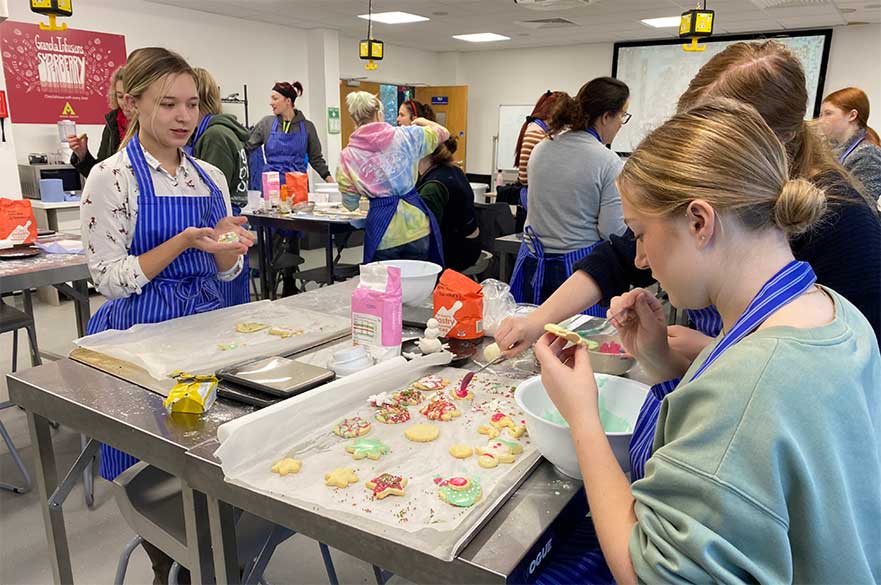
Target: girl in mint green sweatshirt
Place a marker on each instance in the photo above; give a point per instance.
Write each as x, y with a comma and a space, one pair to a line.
765, 465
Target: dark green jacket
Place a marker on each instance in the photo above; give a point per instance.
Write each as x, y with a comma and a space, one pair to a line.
110, 142
223, 145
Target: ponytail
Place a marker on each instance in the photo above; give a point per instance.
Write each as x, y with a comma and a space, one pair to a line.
595, 98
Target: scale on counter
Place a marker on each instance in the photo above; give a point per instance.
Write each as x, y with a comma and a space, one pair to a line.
269, 380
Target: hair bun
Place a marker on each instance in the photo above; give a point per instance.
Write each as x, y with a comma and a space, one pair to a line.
800, 205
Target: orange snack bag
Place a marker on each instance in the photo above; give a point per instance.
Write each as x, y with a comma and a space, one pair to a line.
458, 306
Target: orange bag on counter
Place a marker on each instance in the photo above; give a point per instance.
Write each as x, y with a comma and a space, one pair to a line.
298, 187
458, 306
17, 221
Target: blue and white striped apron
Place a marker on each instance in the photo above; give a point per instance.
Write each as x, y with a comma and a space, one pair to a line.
536, 252
707, 320
379, 217
579, 559
187, 286
524, 190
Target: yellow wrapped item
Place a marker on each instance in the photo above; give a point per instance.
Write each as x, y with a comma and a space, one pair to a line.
192, 394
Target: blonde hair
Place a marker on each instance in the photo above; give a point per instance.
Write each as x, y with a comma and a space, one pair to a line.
363, 107
118, 75
146, 66
209, 92
724, 153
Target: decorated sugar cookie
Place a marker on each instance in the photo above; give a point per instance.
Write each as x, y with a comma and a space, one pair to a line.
370, 448
439, 408
340, 477
409, 397
422, 433
498, 451
382, 399
460, 451
250, 327
463, 492
460, 394
349, 428
393, 415
387, 485
286, 466
501, 420
431, 383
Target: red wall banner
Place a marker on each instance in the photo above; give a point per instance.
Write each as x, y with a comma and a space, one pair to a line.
55, 75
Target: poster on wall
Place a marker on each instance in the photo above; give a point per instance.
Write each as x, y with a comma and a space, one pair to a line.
58, 75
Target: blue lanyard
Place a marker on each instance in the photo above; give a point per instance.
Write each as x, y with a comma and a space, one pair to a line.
593, 132
790, 282
200, 130
856, 143
541, 124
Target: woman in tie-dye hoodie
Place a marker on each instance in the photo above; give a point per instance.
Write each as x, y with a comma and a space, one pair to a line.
381, 163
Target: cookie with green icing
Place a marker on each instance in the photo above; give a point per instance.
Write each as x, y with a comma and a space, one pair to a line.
370, 448
462, 492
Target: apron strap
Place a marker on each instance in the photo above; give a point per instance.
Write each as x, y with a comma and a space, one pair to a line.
379, 217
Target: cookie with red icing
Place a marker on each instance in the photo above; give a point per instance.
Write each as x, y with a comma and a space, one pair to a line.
409, 397
462, 492
387, 485
439, 408
431, 382
498, 451
349, 428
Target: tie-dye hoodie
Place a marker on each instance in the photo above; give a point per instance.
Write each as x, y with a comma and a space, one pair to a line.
382, 160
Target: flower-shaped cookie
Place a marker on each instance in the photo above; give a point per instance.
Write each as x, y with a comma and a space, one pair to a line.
340, 477
370, 448
286, 466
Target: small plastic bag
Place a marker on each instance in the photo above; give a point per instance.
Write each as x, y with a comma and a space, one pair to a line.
498, 304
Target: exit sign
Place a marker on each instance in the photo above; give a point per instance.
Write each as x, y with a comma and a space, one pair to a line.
440, 100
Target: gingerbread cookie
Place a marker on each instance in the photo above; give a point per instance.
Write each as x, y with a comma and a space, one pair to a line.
460, 451
488, 430
431, 383
409, 397
516, 431
349, 428
286, 466
439, 408
501, 420
340, 477
422, 433
387, 485
393, 415
370, 448
462, 492
566, 334
498, 451
250, 327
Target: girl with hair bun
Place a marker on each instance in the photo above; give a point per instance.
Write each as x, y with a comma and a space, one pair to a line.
411, 109
844, 119
737, 485
381, 163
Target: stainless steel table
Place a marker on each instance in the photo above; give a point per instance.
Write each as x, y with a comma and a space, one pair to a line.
51, 270
264, 223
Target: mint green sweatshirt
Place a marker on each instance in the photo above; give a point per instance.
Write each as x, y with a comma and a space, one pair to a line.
767, 468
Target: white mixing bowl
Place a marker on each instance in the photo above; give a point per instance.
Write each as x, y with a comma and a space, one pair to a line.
418, 279
620, 396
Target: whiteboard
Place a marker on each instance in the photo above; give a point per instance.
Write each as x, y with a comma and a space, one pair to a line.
657, 74
511, 118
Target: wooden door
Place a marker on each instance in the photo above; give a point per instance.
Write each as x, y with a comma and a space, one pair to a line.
347, 125
453, 114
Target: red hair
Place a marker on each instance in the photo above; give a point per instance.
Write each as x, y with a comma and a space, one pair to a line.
542, 111
854, 99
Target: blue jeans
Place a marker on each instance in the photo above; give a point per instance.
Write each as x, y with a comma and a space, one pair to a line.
415, 250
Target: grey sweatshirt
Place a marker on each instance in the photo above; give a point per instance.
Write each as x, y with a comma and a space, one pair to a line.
864, 163
260, 133
573, 200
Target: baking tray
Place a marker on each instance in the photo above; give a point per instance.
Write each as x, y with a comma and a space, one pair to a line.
277, 375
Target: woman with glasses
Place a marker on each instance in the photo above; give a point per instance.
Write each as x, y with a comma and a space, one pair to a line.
573, 201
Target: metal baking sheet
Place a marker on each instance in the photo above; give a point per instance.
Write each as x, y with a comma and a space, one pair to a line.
278, 375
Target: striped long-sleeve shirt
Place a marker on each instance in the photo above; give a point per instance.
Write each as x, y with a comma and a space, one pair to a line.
533, 135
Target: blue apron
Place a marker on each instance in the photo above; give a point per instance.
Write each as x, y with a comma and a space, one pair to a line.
187, 286
580, 559
525, 188
283, 152
707, 320
200, 130
379, 217
537, 254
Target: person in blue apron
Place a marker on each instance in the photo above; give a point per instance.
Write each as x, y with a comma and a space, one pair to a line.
572, 183
381, 163
849, 265
844, 119
736, 450
285, 142
534, 130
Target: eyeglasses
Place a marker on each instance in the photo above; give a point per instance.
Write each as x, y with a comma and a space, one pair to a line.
625, 118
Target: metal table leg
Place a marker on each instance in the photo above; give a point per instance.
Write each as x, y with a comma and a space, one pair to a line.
221, 516
328, 255
47, 480
83, 310
264, 263
88, 475
198, 537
